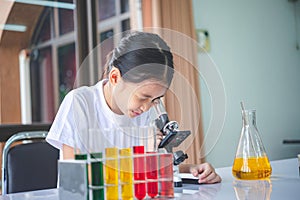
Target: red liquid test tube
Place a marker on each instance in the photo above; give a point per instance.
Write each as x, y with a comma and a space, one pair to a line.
152, 174
166, 175
139, 172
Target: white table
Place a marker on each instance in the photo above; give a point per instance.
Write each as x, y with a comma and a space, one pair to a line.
283, 184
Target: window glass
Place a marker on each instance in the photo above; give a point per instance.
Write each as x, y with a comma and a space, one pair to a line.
67, 69
66, 21
106, 9
42, 91
124, 6
107, 44
45, 29
125, 25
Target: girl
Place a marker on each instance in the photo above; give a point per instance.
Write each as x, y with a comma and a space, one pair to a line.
138, 72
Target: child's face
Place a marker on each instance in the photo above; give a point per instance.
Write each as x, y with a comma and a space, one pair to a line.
133, 99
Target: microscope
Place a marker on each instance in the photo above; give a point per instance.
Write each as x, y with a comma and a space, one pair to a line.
172, 138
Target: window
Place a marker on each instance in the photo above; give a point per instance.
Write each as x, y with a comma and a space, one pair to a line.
118, 21
53, 61
67, 69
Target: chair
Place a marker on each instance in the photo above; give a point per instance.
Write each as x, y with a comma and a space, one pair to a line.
29, 163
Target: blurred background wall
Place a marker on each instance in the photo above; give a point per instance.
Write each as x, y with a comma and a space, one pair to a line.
254, 46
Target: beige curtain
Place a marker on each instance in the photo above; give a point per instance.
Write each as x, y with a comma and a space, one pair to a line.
183, 100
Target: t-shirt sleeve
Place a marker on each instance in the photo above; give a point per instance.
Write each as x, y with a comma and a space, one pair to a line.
72, 121
62, 129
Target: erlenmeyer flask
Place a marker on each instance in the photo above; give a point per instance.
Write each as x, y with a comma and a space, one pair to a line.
251, 161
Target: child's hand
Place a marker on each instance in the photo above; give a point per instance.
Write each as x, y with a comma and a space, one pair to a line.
206, 173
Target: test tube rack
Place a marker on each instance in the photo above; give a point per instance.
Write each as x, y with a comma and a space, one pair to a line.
128, 173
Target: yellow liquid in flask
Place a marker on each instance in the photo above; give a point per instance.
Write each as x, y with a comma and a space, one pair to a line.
252, 168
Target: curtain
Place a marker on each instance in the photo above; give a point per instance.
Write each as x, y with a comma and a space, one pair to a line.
182, 102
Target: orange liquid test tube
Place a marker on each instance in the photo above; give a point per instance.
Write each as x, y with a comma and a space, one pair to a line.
111, 173
152, 174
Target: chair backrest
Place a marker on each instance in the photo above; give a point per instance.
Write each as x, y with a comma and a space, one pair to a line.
28, 163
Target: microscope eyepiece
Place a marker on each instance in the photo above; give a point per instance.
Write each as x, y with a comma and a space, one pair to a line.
161, 121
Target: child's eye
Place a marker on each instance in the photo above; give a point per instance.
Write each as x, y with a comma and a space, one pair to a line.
142, 98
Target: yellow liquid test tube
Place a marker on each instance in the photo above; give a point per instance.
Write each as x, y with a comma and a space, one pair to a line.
126, 173
111, 173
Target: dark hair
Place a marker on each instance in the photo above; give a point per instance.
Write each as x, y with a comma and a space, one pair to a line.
142, 56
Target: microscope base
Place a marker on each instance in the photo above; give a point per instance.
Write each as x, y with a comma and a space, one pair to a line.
178, 184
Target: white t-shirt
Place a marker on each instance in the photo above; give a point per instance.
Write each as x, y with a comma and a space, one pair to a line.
85, 111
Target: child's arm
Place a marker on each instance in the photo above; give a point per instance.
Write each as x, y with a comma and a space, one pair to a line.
68, 152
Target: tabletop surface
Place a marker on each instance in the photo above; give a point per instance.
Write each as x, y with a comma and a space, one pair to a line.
283, 184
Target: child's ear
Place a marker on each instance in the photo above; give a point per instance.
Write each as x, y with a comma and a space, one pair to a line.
114, 76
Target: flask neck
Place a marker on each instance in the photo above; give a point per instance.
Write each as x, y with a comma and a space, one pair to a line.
249, 117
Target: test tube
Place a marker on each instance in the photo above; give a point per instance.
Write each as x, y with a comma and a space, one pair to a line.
94, 149
126, 173
80, 146
139, 172
166, 175
97, 176
79, 154
152, 174
111, 173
